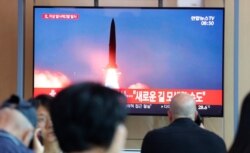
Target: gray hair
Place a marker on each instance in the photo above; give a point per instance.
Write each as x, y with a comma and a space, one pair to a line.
183, 106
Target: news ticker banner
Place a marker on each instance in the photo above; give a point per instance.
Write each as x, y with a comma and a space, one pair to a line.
156, 96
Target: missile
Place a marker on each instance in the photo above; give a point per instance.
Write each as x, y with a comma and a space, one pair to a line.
112, 46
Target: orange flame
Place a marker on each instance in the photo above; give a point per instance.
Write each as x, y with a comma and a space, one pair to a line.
49, 79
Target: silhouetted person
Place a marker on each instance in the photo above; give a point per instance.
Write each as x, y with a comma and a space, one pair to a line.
183, 135
88, 117
241, 142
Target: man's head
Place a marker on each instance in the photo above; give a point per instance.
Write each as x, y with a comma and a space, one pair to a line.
182, 106
15, 123
23, 106
86, 116
18, 117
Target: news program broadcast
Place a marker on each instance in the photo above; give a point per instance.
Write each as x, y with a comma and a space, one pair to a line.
148, 54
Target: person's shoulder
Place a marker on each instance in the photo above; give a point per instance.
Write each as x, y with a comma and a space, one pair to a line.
151, 140
160, 130
8, 147
156, 132
212, 136
210, 133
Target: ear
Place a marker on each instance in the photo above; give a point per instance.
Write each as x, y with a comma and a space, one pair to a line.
119, 139
195, 115
26, 137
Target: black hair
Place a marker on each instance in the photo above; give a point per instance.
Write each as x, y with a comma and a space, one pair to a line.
12, 101
37, 101
41, 100
85, 115
242, 139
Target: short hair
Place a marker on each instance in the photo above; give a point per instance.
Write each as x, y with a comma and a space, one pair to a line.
85, 115
41, 100
183, 105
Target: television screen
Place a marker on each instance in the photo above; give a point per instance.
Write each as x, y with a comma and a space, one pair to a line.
149, 54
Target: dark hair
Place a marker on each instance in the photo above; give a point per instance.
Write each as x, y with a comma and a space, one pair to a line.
41, 100
86, 115
242, 140
12, 100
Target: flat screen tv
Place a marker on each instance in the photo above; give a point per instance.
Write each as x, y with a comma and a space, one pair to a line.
149, 54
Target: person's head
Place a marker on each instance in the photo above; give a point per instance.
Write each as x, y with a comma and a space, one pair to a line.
42, 104
88, 116
182, 106
19, 119
242, 139
16, 124
23, 106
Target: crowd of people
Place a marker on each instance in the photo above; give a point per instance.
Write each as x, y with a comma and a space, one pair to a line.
89, 118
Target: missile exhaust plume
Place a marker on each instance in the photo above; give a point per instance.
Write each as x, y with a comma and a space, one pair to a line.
112, 75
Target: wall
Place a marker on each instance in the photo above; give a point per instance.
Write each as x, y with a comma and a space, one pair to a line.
228, 122
8, 48
137, 125
244, 52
